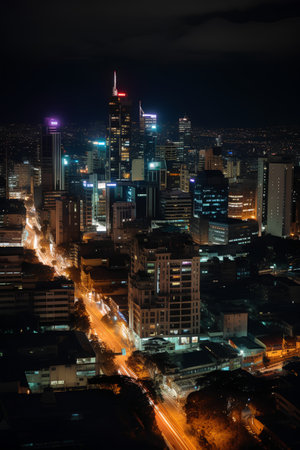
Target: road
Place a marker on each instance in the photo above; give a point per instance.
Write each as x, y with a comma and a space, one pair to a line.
169, 416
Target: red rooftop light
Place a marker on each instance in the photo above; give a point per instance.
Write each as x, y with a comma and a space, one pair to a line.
122, 94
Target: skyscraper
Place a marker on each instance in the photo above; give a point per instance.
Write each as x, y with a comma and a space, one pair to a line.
51, 160
185, 137
211, 195
262, 193
280, 199
148, 135
119, 129
164, 288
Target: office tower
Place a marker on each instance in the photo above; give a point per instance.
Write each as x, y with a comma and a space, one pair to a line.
169, 151
232, 168
51, 158
184, 178
123, 212
210, 195
213, 159
12, 223
86, 207
232, 231
280, 186
296, 203
67, 227
201, 161
242, 200
262, 193
148, 136
137, 170
176, 206
157, 173
185, 137
96, 156
96, 181
164, 288
119, 128
143, 194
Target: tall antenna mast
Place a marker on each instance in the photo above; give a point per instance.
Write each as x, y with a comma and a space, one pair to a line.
115, 90
141, 112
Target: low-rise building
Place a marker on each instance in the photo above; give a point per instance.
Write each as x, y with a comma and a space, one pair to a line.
188, 366
251, 350
60, 360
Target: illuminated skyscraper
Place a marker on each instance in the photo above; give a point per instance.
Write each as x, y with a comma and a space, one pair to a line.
262, 193
185, 137
148, 137
119, 129
211, 195
51, 160
280, 199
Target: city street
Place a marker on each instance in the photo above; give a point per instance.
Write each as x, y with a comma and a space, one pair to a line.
169, 416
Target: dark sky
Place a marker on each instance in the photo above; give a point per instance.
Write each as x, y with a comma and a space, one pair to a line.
223, 62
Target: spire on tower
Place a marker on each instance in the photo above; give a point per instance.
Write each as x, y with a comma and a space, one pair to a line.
115, 90
141, 112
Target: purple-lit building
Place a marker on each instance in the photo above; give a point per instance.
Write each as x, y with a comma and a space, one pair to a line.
50, 158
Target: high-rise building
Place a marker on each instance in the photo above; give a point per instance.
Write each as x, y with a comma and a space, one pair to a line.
280, 186
96, 156
157, 173
176, 205
148, 136
164, 288
232, 168
242, 200
210, 195
67, 220
296, 203
119, 129
170, 151
232, 231
185, 137
213, 159
51, 159
262, 193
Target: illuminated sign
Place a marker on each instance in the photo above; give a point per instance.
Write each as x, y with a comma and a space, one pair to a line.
111, 184
122, 94
99, 143
153, 116
101, 185
192, 180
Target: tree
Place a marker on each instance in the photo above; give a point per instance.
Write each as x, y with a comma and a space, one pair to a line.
105, 356
79, 318
40, 271
73, 273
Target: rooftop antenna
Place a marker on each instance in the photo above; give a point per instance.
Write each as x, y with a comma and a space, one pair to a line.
115, 90
141, 112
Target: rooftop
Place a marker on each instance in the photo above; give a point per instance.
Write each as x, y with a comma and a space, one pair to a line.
39, 350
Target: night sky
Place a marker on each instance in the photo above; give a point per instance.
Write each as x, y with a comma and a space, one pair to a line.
223, 62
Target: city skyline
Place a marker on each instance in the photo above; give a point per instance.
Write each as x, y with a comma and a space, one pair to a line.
150, 225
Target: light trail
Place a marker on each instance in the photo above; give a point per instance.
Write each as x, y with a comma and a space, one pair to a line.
173, 433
